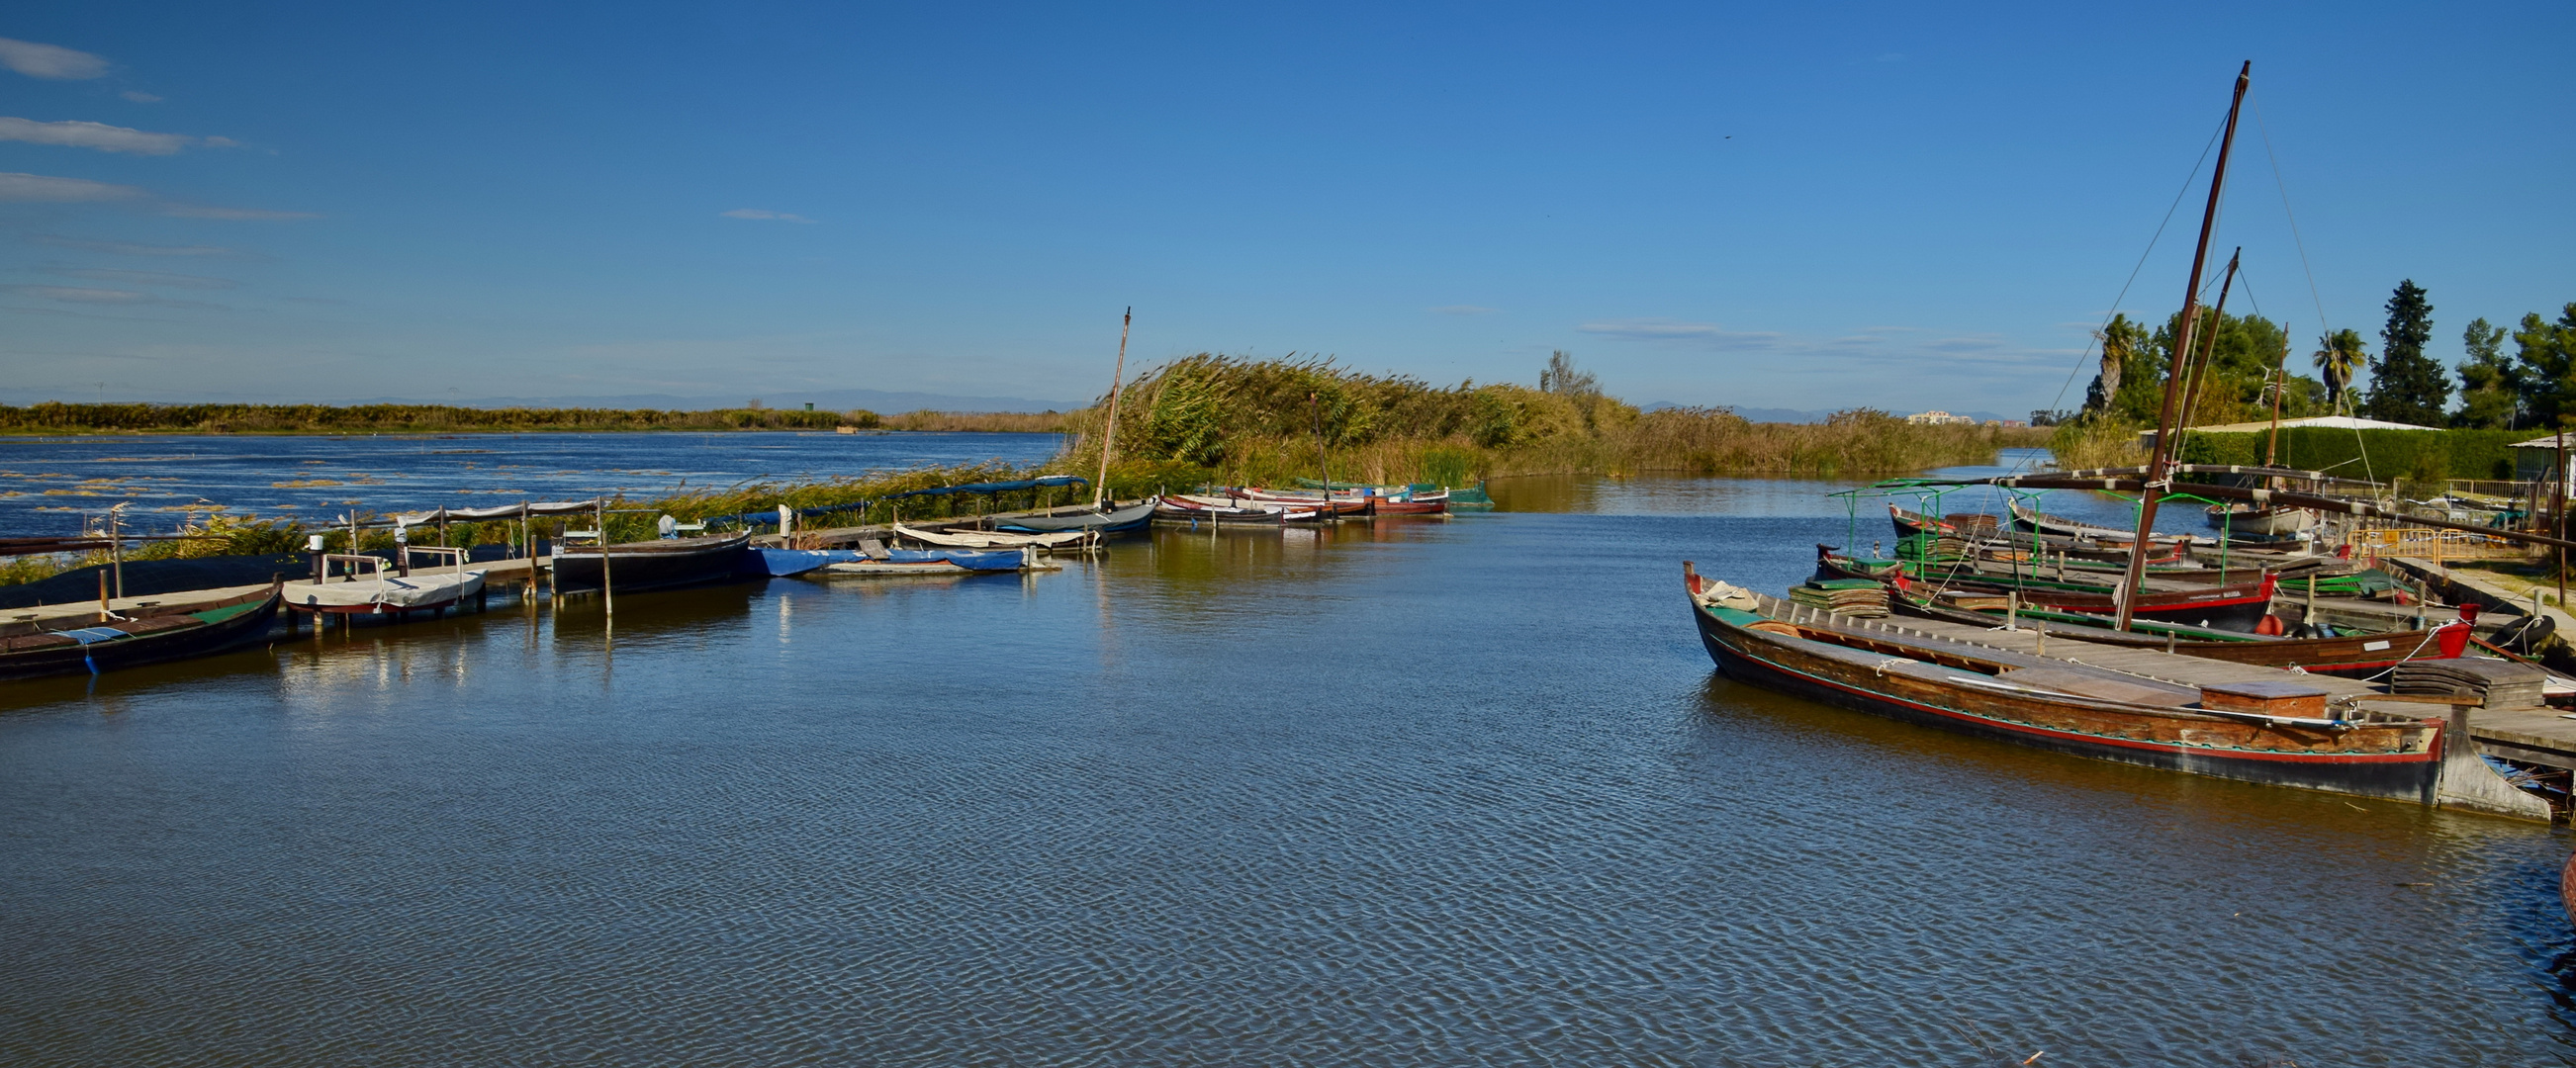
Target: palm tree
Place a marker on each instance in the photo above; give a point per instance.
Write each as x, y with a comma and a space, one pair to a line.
2338, 355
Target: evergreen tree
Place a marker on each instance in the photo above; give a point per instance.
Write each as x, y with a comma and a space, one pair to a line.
2490, 388
2247, 348
2338, 355
2407, 386
2545, 367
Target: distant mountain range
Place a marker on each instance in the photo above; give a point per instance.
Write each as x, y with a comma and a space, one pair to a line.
1797, 415
836, 400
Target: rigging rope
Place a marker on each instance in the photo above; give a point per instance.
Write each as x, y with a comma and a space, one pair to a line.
2141, 265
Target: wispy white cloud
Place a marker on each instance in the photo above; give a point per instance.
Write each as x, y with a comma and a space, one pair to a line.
128, 248
49, 61
1464, 309
764, 213
103, 137
81, 295
145, 278
38, 188
1679, 330
178, 210
139, 96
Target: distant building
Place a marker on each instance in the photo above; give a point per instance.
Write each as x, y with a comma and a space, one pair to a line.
1937, 417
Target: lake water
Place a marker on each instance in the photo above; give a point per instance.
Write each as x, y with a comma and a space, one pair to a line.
1437, 793
52, 485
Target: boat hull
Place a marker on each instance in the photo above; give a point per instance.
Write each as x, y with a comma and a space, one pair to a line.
654, 565
186, 642
1114, 521
2061, 727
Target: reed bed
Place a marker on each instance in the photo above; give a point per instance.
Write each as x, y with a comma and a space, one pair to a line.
1236, 421
978, 422
2091, 443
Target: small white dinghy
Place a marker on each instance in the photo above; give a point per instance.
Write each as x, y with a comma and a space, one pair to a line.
993, 539
363, 586
894, 562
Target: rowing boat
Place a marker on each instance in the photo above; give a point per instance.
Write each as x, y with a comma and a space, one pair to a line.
172, 632
651, 565
2275, 730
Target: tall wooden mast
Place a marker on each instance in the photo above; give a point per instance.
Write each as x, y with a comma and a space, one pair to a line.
1109, 437
2159, 474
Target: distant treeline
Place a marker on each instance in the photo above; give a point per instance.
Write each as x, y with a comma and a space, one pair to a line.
56, 418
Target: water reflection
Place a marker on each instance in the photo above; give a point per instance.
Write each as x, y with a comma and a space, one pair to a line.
1455, 792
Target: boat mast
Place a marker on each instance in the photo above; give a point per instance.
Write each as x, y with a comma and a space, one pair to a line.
2208, 352
2280, 385
2157, 475
1109, 437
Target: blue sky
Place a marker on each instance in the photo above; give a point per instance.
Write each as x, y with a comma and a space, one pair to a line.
1759, 205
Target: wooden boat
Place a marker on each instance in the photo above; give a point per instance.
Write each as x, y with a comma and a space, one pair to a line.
380, 593
2277, 731
2238, 607
2354, 655
2567, 888
1112, 518
1382, 500
992, 539
1193, 510
895, 563
2268, 522
1964, 524
1340, 503
2032, 519
653, 565
166, 633
1414, 504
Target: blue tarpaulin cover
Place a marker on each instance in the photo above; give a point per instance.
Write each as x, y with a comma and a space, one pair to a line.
783, 562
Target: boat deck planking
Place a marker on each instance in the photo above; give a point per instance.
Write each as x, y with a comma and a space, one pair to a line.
2535, 734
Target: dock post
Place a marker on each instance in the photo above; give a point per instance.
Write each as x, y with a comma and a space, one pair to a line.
609, 600
102, 595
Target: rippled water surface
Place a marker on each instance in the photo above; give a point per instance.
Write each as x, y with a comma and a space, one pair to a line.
51, 485
1455, 793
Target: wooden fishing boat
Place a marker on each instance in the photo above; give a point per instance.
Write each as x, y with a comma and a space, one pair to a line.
163, 634
2567, 888
2273, 730
2032, 519
1411, 504
653, 565
1340, 503
1111, 518
1193, 510
897, 563
381, 592
2238, 607
2271, 522
2351, 655
1964, 524
992, 539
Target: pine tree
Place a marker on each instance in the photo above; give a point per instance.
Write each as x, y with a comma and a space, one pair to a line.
2407, 386
2545, 367
2490, 388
